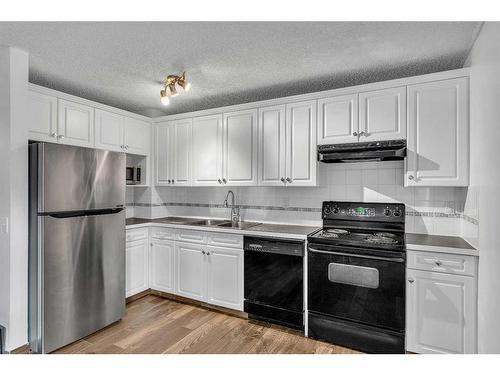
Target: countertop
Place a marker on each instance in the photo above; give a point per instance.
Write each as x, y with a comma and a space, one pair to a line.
262, 229
414, 241
440, 244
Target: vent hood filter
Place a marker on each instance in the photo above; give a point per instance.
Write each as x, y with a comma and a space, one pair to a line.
362, 152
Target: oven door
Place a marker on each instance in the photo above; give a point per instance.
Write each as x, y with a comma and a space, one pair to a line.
360, 286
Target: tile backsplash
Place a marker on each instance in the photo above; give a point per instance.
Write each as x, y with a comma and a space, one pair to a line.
434, 210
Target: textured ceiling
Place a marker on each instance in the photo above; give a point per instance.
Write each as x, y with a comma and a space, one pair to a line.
123, 64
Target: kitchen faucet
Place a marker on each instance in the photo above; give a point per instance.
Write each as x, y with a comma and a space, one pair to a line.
235, 211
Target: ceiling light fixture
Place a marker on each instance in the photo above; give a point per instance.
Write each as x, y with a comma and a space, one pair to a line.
169, 90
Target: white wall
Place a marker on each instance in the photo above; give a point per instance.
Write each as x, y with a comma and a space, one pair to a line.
485, 177
13, 311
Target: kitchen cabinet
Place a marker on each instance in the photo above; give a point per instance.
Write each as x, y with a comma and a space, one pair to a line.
225, 277
173, 153
207, 150
441, 303
75, 124
239, 152
161, 270
42, 117
136, 136
438, 134
301, 164
109, 129
191, 270
137, 260
338, 119
382, 114
272, 142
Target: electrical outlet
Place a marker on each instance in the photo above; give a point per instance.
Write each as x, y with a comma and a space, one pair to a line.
4, 225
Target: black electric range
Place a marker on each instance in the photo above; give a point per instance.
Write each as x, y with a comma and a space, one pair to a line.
356, 277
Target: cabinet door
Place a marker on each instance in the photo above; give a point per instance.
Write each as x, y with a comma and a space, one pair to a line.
438, 134
163, 159
162, 266
225, 277
136, 275
382, 114
42, 117
301, 156
181, 152
240, 148
109, 130
136, 136
441, 313
75, 124
338, 119
207, 150
272, 143
191, 271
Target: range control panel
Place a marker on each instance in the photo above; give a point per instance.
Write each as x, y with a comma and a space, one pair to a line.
393, 212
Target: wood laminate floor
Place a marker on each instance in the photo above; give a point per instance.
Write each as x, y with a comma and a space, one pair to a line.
156, 325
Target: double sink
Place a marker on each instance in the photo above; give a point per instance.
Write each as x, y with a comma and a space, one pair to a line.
209, 222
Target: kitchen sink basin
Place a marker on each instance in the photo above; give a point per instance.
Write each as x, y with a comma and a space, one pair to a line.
210, 222
239, 225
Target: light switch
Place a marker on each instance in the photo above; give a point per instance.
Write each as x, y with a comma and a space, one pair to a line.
4, 225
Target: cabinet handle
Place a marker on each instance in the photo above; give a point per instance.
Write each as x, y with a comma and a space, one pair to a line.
173, 181
220, 181
168, 181
224, 180
411, 280
203, 252
355, 134
282, 180
410, 177
53, 135
289, 180
438, 263
60, 136
208, 252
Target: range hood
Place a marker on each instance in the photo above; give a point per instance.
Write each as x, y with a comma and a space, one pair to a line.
360, 152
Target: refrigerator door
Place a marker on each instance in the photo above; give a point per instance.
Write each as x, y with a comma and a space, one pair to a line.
77, 178
83, 278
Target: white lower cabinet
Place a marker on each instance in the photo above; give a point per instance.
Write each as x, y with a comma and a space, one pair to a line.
136, 275
190, 270
161, 266
440, 312
225, 277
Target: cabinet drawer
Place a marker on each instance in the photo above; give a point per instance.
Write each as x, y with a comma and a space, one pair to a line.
441, 262
225, 239
136, 234
160, 233
191, 236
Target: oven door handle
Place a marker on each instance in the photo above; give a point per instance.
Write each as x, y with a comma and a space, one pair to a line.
396, 260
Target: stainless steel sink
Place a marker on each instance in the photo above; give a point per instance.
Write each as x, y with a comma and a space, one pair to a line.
210, 222
239, 225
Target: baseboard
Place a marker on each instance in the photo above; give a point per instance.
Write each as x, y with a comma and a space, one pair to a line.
174, 297
24, 349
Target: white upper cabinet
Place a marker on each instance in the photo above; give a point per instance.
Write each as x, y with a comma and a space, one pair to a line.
239, 153
271, 142
382, 114
109, 130
338, 119
42, 117
301, 143
438, 134
75, 124
136, 136
162, 152
181, 152
207, 150
441, 313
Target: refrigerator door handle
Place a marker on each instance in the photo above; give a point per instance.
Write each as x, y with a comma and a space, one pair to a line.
77, 213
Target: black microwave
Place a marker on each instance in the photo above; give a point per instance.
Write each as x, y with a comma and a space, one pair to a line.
133, 175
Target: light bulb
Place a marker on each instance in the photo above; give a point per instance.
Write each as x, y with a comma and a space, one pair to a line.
164, 98
187, 86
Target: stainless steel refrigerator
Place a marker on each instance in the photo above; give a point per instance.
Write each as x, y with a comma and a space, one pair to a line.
76, 243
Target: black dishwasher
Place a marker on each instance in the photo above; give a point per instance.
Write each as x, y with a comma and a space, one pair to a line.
274, 280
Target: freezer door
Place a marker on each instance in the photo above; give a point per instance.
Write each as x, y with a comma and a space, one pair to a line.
78, 178
83, 275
